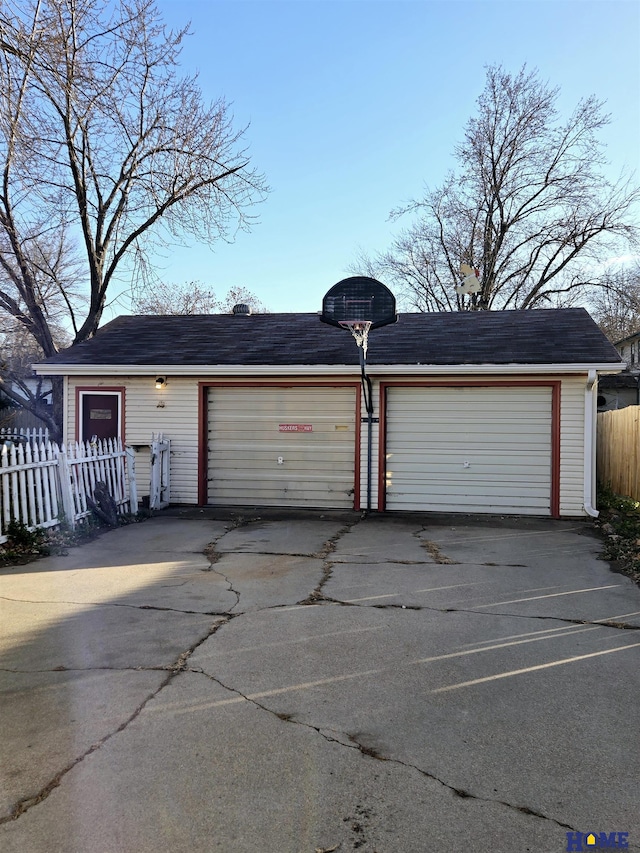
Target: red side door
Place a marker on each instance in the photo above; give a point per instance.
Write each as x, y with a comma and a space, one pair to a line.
100, 416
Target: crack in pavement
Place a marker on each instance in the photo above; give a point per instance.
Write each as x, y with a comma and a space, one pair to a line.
604, 623
458, 792
372, 753
121, 604
230, 586
170, 667
434, 550
318, 596
366, 560
327, 569
179, 665
213, 556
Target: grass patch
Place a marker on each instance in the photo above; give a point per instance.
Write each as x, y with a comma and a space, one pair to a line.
619, 524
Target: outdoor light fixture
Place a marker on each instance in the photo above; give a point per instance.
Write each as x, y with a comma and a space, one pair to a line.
161, 382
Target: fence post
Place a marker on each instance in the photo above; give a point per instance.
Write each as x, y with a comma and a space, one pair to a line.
160, 471
64, 482
166, 473
154, 485
131, 475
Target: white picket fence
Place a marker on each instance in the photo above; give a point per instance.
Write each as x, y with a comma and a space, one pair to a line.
42, 483
83, 464
34, 435
29, 486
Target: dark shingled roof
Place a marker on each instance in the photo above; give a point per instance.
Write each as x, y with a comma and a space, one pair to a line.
552, 336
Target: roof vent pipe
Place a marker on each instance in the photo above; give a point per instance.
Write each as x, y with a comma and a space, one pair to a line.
241, 309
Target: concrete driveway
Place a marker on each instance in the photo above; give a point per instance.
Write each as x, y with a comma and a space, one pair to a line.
320, 682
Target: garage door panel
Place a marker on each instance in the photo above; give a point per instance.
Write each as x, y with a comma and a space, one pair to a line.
284, 446
510, 447
442, 471
245, 491
460, 410
494, 508
481, 489
460, 415
456, 459
232, 447
481, 424
239, 437
251, 487
258, 461
472, 449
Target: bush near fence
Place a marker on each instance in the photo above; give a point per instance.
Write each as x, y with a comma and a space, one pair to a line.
618, 456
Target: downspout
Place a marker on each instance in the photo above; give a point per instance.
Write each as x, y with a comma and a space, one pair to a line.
590, 422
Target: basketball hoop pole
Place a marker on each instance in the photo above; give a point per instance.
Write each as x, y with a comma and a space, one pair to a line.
368, 402
360, 332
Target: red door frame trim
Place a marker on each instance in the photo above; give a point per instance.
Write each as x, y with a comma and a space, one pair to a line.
109, 389
203, 424
556, 390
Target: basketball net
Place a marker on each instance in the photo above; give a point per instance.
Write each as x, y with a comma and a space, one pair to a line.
359, 330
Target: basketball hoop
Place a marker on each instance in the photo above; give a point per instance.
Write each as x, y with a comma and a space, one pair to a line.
359, 330
358, 304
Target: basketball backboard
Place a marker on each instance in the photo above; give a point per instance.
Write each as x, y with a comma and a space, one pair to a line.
359, 299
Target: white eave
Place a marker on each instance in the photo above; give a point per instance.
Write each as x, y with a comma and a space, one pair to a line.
300, 370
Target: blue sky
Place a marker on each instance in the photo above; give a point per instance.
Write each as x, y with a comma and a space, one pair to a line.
355, 105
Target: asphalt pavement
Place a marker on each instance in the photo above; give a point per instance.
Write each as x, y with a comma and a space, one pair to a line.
302, 682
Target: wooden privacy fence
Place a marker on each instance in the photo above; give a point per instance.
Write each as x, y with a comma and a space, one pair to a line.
42, 483
618, 456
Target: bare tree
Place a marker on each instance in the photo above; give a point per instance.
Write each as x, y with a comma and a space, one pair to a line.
106, 151
529, 207
193, 298
20, 387
616, 306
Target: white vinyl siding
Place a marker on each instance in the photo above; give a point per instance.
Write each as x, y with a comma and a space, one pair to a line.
469, 449
572, 446
311, 430
177, 419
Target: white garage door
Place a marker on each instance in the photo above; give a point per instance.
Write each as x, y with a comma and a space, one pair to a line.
282, 446
469, 449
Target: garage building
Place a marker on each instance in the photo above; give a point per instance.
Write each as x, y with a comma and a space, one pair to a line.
481, 412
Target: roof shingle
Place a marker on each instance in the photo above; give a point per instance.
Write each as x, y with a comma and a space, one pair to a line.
551, 336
